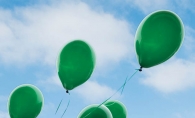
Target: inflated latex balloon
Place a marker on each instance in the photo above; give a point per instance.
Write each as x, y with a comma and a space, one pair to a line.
25, 101
75, 64
158, 37
117, 109
93, 111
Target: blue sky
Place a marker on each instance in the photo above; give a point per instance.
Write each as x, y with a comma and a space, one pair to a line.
32, 32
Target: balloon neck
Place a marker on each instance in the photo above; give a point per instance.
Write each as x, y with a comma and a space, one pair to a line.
140, 69
67, 91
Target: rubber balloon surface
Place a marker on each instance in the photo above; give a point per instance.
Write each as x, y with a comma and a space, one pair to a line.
25, 101
75, 64
92, 111
117, 109
158, 37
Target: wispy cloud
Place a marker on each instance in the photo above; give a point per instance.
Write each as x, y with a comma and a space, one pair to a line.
177, 115
48, 108
53, 81
3, 98
173, 76
37, 33
186, 4
147, 6
4, 114
176, 74
184, 114
189, 42
90, 91
93, 92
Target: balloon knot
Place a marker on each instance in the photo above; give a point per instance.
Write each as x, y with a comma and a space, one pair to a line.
140, 69
67, 91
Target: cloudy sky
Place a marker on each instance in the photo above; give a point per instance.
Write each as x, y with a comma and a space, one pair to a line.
32, 32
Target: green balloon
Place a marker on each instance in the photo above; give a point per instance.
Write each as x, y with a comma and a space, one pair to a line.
25, 101
93, 111
75, 64
117, 108
158, 37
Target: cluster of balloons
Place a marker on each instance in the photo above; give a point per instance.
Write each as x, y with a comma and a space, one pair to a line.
75, 63
110, 109
157, 39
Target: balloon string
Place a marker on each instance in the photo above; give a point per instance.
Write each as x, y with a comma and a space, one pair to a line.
122, 87
97, 107
59, 106
66, 106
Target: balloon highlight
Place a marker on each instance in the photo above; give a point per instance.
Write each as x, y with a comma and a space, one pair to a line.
117, 108
93, 111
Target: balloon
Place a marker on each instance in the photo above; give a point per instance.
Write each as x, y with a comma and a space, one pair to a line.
75, 64
158, 37
117, 109
25, 101
93, 111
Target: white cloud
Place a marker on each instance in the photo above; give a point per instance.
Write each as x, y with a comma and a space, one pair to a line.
184, 114
53, 81
177, 115
174, 76
48, 108
189, 40
37, 33
3, 101
4, 114
90, 91
94, 92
